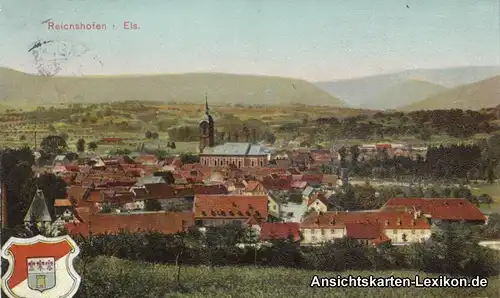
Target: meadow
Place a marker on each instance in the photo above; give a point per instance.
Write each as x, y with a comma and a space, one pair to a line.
111, 277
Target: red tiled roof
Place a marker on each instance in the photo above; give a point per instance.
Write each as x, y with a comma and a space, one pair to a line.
72, 168
280, 230
383, 146
388, 219
146, 158
439, 208
216, 189
229, 206
163, 222
312, 177
299, 184
62, 203
363, 230
160, 190
252, 186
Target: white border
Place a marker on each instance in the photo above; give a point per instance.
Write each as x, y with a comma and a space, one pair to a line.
39, 238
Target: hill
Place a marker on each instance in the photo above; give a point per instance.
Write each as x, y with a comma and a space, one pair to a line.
475, 96
406, 93
19, 87
364, 92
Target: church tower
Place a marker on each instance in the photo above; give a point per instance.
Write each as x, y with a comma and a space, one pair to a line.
207, 129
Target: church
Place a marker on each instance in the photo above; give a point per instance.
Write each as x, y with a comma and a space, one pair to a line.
240, 155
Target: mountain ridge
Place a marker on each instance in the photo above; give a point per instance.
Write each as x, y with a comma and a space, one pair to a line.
16, 86
474, 96
364, 91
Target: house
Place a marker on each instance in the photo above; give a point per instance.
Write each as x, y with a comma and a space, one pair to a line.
254, 188
318, 203
301, 185
439, 210
280, 230
214, 210
61, 205
366, 233
400, 227
68, 216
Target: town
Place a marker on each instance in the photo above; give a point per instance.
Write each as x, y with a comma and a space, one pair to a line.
281, 194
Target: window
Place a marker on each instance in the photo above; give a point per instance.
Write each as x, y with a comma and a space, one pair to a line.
395, 231
274, 207
261, 163
413, 231
323, 232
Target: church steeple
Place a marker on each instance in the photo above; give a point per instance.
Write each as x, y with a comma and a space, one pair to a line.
206, 104
207, 128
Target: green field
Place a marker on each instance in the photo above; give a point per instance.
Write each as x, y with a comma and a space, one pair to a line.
491, 189
110, 277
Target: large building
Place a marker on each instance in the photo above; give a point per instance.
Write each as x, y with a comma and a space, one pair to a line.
240, 155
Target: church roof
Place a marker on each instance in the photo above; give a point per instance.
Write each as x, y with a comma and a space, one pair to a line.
38, 209
237, 149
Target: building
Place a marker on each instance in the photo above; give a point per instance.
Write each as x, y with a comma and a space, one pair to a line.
398, 227
216, 210
207, 130
239, 155
439, 210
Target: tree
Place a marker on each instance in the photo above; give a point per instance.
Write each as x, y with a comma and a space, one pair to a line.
343, 153
80, 145
152, 205
148, 134
92, 146
71, 156
16, 173
53, 145
64, 135
189, 158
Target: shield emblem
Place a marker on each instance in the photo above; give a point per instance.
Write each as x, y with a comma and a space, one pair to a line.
40, 267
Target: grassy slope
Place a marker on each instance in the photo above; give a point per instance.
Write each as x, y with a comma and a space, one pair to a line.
406, 93
221, 88
105, 275
482, 94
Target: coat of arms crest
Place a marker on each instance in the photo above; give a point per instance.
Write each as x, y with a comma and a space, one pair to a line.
40, 267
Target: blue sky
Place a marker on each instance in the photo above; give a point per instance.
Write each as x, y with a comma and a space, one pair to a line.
310, 39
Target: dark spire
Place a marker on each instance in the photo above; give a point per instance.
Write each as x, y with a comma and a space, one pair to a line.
206, 104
